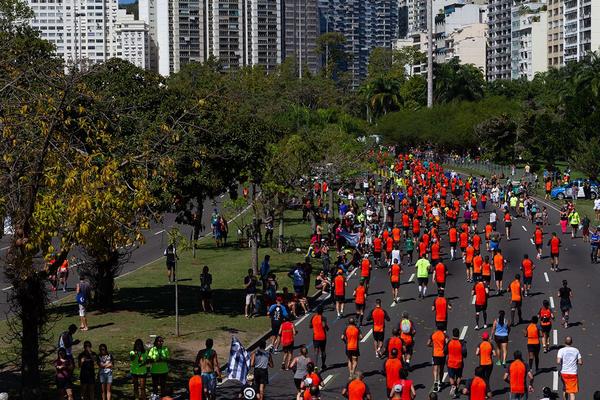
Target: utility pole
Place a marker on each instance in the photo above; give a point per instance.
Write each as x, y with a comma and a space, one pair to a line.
429, 54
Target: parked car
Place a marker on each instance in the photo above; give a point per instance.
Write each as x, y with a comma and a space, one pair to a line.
566, 190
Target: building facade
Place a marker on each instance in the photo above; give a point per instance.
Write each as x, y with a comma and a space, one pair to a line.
581, 28
132, 40
301, 28
499, 39
528, 40
468, 44
555, 34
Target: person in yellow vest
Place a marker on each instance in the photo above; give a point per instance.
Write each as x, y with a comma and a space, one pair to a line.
574, 221
138, 358
159, 356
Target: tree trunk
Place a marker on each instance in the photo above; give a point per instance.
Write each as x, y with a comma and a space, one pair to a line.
281, 233
331, 203
102, 277
254, 256
32, 314
313, 221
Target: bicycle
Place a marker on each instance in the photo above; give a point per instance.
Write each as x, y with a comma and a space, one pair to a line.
290, 245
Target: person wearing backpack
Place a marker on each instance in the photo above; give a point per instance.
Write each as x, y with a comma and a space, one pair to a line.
407, 334
82, 297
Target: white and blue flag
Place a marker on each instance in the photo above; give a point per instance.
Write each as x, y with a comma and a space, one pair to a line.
239, 362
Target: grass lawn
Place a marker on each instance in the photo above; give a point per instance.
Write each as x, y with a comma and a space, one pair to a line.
144, 306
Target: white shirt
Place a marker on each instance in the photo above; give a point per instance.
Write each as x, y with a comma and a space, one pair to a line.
493, 217
569, 356
597, 204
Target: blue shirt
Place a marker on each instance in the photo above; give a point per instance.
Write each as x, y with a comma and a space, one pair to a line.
277, 312
265, 268
501, 330
595, 239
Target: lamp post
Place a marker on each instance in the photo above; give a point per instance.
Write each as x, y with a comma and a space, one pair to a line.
429, 54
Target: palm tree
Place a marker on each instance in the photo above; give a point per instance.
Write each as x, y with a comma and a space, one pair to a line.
382, 95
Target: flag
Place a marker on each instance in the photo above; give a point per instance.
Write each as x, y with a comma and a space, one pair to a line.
352, 239
238, 365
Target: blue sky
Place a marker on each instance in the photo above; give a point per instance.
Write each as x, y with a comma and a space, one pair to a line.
126, 1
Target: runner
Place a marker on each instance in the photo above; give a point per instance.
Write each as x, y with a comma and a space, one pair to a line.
517, 376
486, 271
378, 315
516, 300
318, 324
569, 360
485, 351
377, 247
407, 334
457, 351
395, 342
507, 224
365, 271
481, 293
538, 241
435, 251
287, 332
277, 312
554, 244
351, 337
453, 237
440, 307
207, 363
391, 370
356, 389
488, 232
261, 360
532, 333
360, 298
595, 244
527, 267
300, 367
437, 341
477, 388
409, 247
565, 294
423, 269
499, 263
340, 293
546, 316
394, 272
500, 331
469, 256
439, 275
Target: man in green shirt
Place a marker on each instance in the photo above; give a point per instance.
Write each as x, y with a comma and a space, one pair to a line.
423, 269
574, 221
159, 356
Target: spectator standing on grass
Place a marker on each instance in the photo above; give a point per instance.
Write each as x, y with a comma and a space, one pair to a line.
87, 371
82, 297
597, 208
250, 289
138, 358
64, 375
65, 340
171, 254
207, 363
105, 371
159, 356
205, 290
265, 269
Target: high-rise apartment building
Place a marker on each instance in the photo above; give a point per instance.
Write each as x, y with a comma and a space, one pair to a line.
581, 28
499, 39
300, 33
528, 40
132, 40
417, 15
83, 31
366, 24
555, 34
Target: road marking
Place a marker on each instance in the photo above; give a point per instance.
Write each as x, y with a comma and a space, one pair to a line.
412, 276
555, 380
551, 302
222, 382
546, 277
555, 337
523, 226
393, 304
352, 273
532, 242
367, 336
463, 333
221, 196
301, 319
445, 376
326, 380
159, 232
4, 248
473, 301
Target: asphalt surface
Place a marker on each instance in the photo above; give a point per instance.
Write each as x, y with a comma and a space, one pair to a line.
152, 250
585, 318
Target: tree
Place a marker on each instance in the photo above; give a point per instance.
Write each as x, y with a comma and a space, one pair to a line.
331, 46
409, 57
456, 81
382, 95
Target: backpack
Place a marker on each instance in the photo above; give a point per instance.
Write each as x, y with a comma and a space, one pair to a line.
405, 325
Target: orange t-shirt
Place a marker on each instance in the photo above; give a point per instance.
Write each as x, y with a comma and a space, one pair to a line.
365, 268
317, 327
378, 316
396, 234
485, 353
455, 354
438, 339
356, 390
498, 262
533, 334
440, 273
441, 309
340, 285
480, 294
352, 334
395, 273
393, 366
477, 264
469, 254
515, 290
527, 265
360, 295
517, 373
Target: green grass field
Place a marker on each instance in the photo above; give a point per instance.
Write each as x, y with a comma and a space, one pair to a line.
144, 306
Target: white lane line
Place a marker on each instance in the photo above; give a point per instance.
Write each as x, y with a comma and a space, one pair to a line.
352, 273
532, 242
555, 337
221, 196
551, 302
546, 277
222, 382
4, 248
523, 226
555, 380
159, 232
301, 319
473, 301
326, 380
463, 333
367, 336
444, 377
412, 276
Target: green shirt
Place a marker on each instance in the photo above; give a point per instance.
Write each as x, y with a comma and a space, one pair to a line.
159, 358
138, 363
574, 218
513, 201
423, 268
409, 245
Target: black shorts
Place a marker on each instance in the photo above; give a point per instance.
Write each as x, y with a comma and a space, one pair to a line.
64, 384
441, 325
298, 382
533, 348
476, 276
516, 304
453, 244
377, 255
289, 348
261, 376
320, 344
359, 307
538, 246
553, 254
378, 336
275, 328
366, 279
508, 224
527, 281
500, 339
480, 308
353, 353
340, 298
441, 285
170, 266
498, 275
455, 373
205, 294
487, 278
408, 349
438, 360
422, 281
435, 261
546, 328
468, 265
463, 249
395, 285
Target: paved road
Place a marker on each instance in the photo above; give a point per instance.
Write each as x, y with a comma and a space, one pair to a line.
576, 268
152, 250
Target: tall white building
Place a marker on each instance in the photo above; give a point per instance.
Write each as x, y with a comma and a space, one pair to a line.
581, 28
132, 40
499, 39
529, 40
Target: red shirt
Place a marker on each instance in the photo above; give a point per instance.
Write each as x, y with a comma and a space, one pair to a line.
440, 273
527, 268
441, 309
287, 333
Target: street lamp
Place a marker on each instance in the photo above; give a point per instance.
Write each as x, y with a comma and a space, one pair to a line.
429, 54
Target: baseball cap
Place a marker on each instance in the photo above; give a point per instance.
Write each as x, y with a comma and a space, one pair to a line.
485, 335
397, 388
